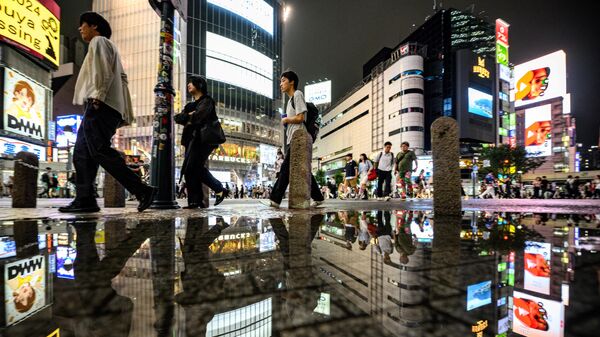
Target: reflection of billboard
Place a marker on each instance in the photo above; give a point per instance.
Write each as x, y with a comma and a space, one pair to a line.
8, 247
479, 294
318, 93
480, 103
537, 266
324, 305
538, 131
541, 79
267, 242
423, 230
25, 288
66, 129
254, 320
10, 147
24, 105
65, 259
537, 317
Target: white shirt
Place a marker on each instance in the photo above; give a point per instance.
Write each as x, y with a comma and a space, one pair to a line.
300, 107
102, 77
385, 161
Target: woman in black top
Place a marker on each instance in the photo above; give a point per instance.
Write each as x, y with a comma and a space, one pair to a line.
194, 116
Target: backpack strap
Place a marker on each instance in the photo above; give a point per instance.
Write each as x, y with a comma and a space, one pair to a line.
292, 102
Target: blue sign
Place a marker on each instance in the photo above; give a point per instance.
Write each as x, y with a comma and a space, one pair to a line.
66, 130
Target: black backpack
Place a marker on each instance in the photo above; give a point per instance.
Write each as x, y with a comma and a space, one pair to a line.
311, 121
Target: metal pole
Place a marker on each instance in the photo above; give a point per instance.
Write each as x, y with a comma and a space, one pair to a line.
163, 165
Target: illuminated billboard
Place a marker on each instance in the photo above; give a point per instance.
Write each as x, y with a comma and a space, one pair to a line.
10, 147
537, 317
479, 294
66, 130
256, 11
480, 103
65, 260
35, 28
229, 61
24, 110
538, 131
536, 262
24, 288
268, 154
541, 79
318, 93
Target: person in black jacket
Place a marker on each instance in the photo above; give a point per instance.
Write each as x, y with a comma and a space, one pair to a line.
194, 116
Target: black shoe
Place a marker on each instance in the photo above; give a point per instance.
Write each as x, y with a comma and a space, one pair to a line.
80, 206
146, 198
220, 199
194, 205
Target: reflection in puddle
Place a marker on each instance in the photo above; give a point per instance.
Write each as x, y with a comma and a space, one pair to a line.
346, 273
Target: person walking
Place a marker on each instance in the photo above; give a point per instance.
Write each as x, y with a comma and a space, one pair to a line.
102, 87
296, 115
404, 167
544, 185
597, 187
490, 183
278, 163
383, 166
350, 177
196, 117
364, 167
46, 176
537, 187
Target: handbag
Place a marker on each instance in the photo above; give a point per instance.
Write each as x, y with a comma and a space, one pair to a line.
372, 175
212, 133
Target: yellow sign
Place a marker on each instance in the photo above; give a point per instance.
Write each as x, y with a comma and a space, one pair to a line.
55, 333
480, 68
31, 26
478, 329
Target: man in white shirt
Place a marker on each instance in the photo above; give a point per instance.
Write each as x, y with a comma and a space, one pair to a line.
384, 164
102, 87
296, 115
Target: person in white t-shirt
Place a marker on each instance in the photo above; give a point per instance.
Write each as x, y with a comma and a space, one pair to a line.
384, 163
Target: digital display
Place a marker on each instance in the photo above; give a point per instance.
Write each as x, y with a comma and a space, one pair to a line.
318, 93
267, 242
10, 147
254, 320
423, 230
479, 294
256, 11
65, 260
541, 79
8, 247
480, 103
538, 131
536, 261
66, 130
24, 106
268, 154
232, 62
24, 288
537, 317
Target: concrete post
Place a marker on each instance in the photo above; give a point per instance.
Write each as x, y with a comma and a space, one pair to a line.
446, 171
300, 162
114, 192
25, 180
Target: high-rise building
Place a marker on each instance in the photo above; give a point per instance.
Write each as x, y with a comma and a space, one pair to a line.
237, 46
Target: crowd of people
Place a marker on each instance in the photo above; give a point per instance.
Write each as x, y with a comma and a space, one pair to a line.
541, 188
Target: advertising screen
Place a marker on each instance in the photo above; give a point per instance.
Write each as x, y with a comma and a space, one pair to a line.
255, 11
480, 103
65, 258
36, 29
324, 304
537, 266
24, 105
268, 154
66, 129
541, 79
8, 247
10, 147
229, 61
254, 320
422, 229
24, 288
538, 131
318, 93
267, 242
479, 294
537, 317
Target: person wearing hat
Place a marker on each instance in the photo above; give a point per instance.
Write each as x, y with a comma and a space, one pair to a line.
102, 88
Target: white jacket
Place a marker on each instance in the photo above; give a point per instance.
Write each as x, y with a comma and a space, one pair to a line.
102, 77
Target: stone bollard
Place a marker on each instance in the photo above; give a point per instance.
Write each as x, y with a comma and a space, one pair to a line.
25, 180
446, 171
300, 163
114, 192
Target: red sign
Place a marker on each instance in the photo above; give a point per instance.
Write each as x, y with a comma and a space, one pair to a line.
404, 50
502, 32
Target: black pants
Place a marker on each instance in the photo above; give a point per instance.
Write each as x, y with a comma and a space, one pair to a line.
93, 148
384, 177
197, 174
284, 180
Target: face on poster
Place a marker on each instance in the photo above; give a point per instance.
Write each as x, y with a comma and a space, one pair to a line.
541, 79
24, 288
536, 261
538, 131
24, 105
537, 317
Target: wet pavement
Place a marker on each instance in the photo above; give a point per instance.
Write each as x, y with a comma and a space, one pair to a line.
252, 271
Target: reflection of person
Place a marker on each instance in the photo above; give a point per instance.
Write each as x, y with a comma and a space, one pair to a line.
24, 297
533, 84
384, 235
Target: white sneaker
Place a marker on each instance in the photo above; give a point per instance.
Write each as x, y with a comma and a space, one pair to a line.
269, 203
316, 203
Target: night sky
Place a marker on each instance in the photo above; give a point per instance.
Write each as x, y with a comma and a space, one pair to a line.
334, 38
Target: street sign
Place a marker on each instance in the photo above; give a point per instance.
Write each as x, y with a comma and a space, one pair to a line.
178, 5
